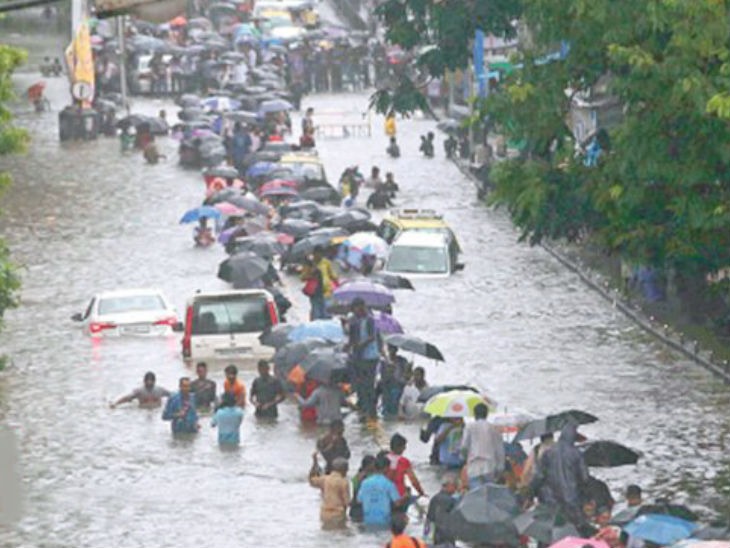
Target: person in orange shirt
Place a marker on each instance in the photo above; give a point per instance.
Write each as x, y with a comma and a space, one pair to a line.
399, 538
233, 385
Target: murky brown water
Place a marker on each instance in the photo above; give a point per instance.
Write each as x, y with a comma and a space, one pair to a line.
82, 218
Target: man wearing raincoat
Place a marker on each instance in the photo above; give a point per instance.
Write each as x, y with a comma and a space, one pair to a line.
561, 474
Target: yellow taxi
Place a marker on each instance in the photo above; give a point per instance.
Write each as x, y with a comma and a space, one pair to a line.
425, 220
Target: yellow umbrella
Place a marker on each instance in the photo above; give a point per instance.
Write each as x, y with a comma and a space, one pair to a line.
455, 403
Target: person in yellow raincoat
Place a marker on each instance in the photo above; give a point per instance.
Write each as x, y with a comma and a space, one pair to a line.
320, 280
390, 129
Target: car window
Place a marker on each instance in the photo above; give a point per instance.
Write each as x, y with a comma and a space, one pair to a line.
89, 308
415, 259
303, 170
230, 315
132, 303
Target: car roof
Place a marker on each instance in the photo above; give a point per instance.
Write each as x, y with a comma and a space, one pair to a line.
231, 293
421, 239
300, 159
416, 218
128, 293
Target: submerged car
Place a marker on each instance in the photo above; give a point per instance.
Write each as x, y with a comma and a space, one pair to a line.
423, 255
399, 221
128, 312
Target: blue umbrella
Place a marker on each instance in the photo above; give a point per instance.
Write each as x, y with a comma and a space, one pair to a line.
261, 168
660, 529
198, 213
275, 105
329, 330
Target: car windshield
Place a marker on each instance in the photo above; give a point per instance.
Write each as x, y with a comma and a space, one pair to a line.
306, 170
131, 303
416, 259
230, 314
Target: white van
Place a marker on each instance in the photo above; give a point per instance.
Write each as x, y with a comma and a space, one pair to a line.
420, 254
225, 325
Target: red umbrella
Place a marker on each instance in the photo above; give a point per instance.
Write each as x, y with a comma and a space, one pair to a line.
178, 21
277, 184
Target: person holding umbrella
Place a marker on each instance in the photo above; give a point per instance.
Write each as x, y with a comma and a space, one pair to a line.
364, 349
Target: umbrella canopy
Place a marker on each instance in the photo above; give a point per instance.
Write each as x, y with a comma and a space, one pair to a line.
554, 423
275, 105
264, 245
456, 403
413, 344
660, 528
545, 523
187, 100
329, 330
509, 423
392, 281
243, 116
430, 391
243, 269
608, 454
225, 195
189, 114
374, 294
321, 194
227, 172
368, 242
348, 217
279, 191
296, 227
229, 209
301, 249
694, 543
194, 215
293, 353
277, 336
325, 364
576, 542
252, 205
277, 184
484, 515
387, 324
260, 168
659, 507
220, 104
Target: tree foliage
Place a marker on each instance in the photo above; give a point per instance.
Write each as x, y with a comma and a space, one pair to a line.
661, 194
12, 140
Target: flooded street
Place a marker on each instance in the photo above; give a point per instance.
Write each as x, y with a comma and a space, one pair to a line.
82, 218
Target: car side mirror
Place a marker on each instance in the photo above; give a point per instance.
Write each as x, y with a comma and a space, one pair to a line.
77, 317
178, 327
459, 266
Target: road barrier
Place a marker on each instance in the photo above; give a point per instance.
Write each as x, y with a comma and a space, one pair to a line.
342, 125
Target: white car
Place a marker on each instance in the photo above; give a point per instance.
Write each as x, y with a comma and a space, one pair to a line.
225, 325
128, 312
419, 254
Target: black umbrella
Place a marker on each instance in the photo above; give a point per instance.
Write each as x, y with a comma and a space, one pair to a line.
329, 232
264, 245
546, 524
430, 391
392, 281
189, 114
294, 353
484, 515
413, 344
222, 8
321, 194
227, 172
554, 423
277, 336
659, 507
608, 454
242, 116
304, 247
249, 204
188, 100
347, 218
296, 227
716, 530
243, 269
223, 196
325, 364
305, 209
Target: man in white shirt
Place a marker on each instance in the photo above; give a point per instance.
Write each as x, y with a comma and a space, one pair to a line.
484, 449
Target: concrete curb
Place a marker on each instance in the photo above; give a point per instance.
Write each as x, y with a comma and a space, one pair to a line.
662, 332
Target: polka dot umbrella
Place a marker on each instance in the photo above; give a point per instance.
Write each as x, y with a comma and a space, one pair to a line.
455, 403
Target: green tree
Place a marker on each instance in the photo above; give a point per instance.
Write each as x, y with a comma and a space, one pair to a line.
12, 140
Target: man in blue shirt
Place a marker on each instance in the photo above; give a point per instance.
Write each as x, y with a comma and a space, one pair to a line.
228, 419
378, 494
180, 410
364, 347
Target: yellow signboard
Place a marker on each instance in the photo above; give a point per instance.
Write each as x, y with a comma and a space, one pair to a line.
80, 61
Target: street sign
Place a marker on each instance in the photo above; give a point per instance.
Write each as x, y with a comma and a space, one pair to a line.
82, 91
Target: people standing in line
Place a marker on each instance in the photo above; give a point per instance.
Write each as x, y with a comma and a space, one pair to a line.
393, 149
378, 495
333, 445
364, 349
335, 490
484, 449
148, 395
400, 468
439, 507
267, 393
235, 386
180, 410
228, 418
328, 399
367, 467
320, 280
203, 388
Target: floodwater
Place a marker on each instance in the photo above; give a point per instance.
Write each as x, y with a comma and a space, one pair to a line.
82, 218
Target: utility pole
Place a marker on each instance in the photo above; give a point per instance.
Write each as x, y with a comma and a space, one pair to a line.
122, 60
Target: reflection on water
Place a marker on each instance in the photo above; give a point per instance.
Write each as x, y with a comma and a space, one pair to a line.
82, 218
